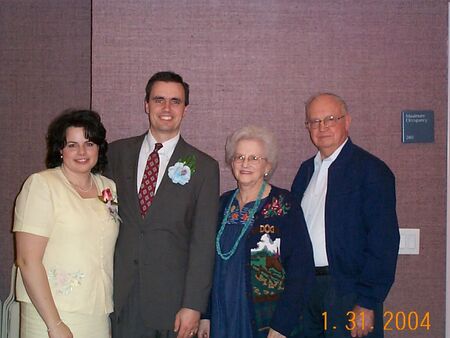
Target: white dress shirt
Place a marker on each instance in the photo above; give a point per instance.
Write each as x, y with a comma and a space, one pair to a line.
313, 205
165, 153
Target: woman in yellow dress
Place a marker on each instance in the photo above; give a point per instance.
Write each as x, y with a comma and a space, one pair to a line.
66, 224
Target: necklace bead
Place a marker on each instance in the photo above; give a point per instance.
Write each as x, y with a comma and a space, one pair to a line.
227, 255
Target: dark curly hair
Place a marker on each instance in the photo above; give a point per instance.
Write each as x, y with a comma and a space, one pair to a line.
94, 131
167, 76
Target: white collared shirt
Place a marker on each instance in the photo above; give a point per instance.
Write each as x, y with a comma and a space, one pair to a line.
165, 153
313, 205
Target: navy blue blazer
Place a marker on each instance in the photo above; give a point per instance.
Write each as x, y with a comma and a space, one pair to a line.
361, 226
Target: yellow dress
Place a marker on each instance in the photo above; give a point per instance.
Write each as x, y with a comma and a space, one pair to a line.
79, 255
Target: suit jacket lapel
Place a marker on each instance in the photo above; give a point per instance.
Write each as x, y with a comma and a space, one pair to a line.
338, 171
309, 173
133, 160
179, 151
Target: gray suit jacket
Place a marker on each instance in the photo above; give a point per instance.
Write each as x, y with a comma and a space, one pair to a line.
171, 250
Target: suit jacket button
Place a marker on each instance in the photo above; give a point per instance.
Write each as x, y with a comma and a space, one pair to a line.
135, 261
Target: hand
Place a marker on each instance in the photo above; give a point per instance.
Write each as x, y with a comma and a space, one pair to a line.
203, 329
362, 327
186, 322
60, 331
274, 334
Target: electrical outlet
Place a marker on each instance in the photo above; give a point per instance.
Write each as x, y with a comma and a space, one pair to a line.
409, 241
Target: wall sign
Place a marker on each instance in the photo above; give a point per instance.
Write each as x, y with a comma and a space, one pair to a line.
417, 126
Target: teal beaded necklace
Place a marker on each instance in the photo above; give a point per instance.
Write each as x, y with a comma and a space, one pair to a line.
227, 255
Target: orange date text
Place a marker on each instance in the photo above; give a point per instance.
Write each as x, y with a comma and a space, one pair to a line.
393, 321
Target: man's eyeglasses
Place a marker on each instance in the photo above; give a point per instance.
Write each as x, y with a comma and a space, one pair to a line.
328, 121
251, 159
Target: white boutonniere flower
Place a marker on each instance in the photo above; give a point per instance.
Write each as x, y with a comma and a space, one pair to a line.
180, 172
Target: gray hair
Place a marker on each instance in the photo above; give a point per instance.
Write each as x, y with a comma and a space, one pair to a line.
254, 133
344, 108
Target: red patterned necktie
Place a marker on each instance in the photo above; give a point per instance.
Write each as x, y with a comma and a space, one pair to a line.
148, 184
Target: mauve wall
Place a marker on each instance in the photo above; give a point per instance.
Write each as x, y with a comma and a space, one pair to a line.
257, 61
45, 68
247, 62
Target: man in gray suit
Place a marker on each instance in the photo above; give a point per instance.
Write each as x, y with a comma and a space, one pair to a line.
165, 251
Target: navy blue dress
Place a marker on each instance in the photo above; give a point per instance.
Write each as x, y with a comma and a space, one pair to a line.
230, 315
265, 283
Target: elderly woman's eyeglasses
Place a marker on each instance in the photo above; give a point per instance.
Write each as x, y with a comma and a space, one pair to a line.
328, 121
251, 159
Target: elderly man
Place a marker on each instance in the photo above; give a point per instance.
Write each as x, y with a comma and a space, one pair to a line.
168, 199
348, 199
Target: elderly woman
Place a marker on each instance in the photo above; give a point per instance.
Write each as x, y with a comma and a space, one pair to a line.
66, 226
264, 259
